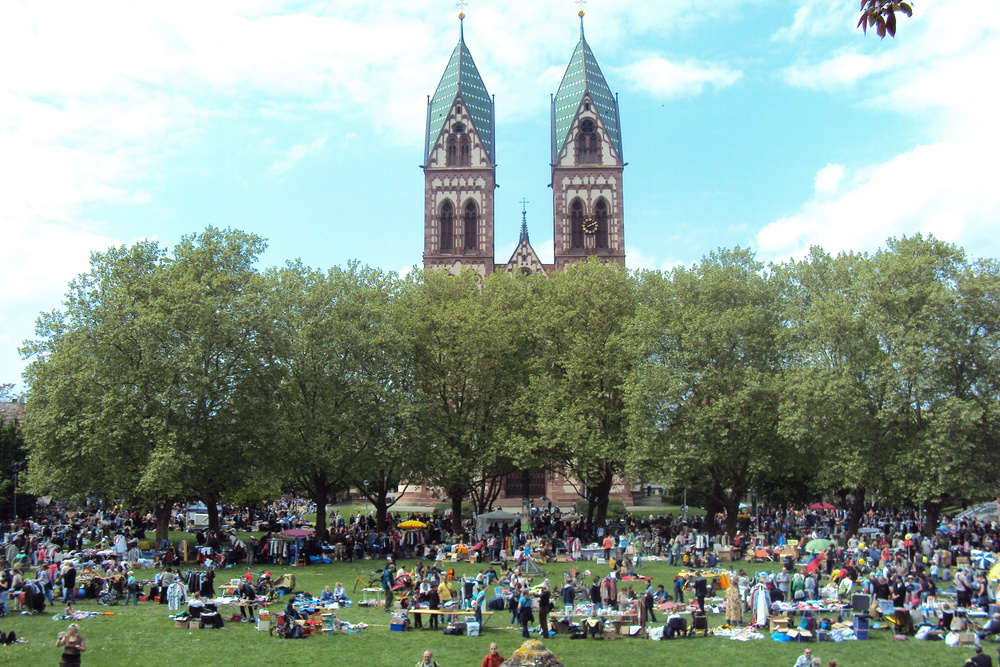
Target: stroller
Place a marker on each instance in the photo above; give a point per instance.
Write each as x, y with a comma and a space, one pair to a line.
108, 596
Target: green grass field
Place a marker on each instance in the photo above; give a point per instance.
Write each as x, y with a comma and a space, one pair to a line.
143, 635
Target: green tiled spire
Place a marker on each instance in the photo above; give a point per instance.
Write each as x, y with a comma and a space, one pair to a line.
583, 77
461, 79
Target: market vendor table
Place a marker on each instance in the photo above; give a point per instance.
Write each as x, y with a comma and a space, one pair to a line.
445, 612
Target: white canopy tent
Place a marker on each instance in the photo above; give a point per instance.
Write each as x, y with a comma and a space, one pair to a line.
484, 521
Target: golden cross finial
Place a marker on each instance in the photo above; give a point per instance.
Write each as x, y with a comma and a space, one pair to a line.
580, 4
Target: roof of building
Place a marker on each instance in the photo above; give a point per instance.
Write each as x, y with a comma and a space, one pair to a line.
461, 80
583, 77
10, 410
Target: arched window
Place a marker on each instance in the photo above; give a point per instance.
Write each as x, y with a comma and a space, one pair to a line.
576, 223
588, 143
451, 159
447, 223
465, 150
471, 219
601, 215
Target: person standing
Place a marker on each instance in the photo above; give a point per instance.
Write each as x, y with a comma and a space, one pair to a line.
524, 614
493, 658
72, 644
648, 602
433, 606
478, 602
69, 583
544, 607
387, 587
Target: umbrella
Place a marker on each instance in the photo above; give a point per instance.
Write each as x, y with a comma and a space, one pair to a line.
743, 506
411, 525
297, 532
822, 506
818, 545
994, 573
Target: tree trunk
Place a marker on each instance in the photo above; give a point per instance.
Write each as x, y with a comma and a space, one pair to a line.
715, 501
319, 493
212, 504
932, 512
857, 510
162, 514
381, 503
602, 491
457, 496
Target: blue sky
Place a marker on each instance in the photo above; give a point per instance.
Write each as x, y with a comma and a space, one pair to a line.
772, 124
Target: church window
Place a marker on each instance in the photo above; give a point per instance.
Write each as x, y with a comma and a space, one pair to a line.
451, 159
471, 219
601, 215
447, 222
465, 149
576, 223
588, 143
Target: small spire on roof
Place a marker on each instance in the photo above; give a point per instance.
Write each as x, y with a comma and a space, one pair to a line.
524, 219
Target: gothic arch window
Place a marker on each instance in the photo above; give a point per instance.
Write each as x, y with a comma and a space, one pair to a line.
588, 143
471, 220
451, 159
465, 151
576, 223
601, 215
447, 225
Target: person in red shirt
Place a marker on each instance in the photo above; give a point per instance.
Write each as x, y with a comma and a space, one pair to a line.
493, 658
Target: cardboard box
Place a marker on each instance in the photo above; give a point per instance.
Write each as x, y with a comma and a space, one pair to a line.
181, 624
725, 556
966, 638
609, 635
264, 626
194, 624
778, 624
472, 629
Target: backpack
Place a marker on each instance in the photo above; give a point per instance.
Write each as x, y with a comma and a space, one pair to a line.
295, 631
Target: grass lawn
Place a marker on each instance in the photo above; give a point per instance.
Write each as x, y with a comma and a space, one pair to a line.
143, 635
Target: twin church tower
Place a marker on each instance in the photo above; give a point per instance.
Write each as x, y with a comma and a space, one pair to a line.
460, 169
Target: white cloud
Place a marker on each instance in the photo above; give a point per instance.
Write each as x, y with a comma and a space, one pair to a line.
828, 179
818, 18
840, 70
660, 77
935, 72
295, 155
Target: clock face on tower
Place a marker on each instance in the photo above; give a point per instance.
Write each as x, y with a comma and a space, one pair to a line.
589, 226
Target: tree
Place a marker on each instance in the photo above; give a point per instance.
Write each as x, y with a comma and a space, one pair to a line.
344, 385
148, 384
881, 15
12, 456
936, 315
470, 349
836, 406
584, 350
704, 398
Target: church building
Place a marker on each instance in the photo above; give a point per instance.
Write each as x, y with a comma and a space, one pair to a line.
460, 169
459, 187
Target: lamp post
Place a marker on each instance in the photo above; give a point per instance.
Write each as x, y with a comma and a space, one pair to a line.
16, 468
